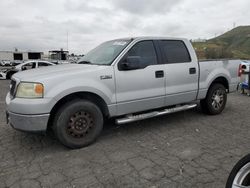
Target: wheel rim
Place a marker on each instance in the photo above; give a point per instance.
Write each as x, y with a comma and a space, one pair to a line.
242, 178
80, 124
218, 99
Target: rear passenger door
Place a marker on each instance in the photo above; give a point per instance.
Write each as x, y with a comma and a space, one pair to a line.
181, 72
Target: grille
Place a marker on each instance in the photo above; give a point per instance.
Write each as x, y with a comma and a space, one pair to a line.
12, 87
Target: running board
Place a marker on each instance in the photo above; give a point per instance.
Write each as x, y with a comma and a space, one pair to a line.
132, 118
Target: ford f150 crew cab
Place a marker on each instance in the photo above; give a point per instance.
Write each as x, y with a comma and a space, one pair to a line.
126, 79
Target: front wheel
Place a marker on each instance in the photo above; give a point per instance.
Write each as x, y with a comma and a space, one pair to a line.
215, 101
240, 175
78, 123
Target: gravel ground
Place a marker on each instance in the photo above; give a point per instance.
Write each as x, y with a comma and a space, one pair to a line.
187, 149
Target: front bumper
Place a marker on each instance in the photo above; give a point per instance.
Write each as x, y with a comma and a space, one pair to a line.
28, 123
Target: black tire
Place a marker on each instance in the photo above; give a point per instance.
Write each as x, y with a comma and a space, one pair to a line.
215, 101
234, 178
9, 75
78, 123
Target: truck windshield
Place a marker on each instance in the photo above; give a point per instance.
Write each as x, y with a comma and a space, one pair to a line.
105, 53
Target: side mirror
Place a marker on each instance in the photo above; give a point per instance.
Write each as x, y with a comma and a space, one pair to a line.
24, 68
130, 63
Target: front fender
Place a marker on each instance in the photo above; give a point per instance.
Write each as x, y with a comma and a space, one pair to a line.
103, 89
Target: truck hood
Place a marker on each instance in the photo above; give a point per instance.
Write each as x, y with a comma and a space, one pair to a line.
46, 73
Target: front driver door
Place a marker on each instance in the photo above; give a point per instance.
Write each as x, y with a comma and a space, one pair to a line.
143, 88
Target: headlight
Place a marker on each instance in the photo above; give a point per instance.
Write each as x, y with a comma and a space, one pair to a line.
29, 90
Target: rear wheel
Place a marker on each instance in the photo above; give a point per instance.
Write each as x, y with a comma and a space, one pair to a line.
78, 123
215, 101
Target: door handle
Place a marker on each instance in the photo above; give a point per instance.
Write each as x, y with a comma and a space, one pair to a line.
159, 74
192, 70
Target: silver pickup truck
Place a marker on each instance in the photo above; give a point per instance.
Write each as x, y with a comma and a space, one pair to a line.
126, 79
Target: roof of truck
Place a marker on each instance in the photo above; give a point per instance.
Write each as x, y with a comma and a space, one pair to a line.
151, 38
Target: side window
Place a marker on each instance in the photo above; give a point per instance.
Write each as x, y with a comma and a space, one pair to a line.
175, 51
145, 51
28, 66
42, 64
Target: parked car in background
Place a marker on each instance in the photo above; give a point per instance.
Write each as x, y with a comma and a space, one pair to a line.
74, 59
5, 63
2, 63
59, 62
33, 64
16, 62
3, 74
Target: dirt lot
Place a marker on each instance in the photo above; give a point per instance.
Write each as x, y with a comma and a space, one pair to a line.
187, 149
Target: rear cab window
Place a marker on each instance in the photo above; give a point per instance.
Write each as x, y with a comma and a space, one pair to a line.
174, 51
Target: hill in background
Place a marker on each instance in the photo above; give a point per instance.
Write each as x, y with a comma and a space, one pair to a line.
232, 44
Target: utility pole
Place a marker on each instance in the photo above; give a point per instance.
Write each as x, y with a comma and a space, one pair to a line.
67, 40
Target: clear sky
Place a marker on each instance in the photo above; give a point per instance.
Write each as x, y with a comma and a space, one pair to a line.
43, 24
